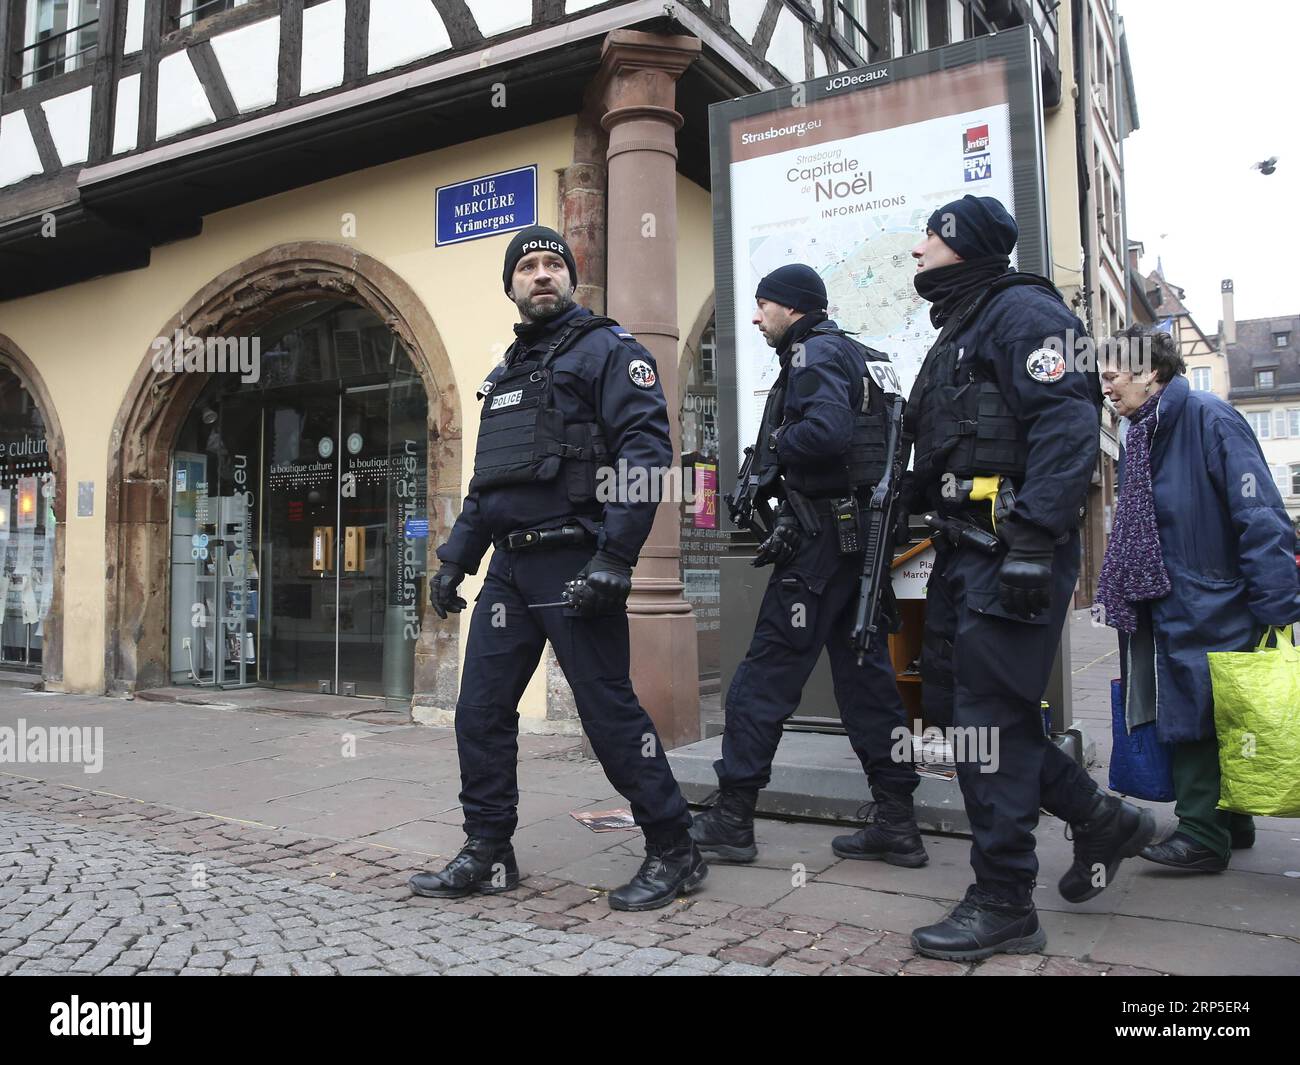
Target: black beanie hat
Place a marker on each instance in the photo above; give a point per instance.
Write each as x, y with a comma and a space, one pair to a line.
537, 238
975, 227
795, 286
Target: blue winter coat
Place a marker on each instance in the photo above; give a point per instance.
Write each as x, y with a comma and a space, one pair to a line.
1229, 548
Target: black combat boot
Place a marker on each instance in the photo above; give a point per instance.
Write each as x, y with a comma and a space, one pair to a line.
483, 866
982, 925
1114, 830
890, 835
669, 870
725, 831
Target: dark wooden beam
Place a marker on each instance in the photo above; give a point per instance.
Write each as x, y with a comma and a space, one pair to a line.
213, 80
356, 42
41, 135
462, 30
289, 86
112, 37
148, 128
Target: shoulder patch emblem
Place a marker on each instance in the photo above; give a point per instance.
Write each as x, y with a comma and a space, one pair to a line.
1045, 365
642, 373
484, 389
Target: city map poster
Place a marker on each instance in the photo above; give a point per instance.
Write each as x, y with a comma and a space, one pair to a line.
845, 184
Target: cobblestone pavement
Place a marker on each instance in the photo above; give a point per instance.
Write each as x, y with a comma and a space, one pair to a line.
94, 883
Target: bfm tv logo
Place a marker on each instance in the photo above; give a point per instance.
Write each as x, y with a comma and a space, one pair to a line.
978, 163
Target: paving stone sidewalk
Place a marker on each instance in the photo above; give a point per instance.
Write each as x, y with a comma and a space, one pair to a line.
101, 885
220, 840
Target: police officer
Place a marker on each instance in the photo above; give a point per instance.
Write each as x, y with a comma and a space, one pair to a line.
575, 398
1005, 430
827, 440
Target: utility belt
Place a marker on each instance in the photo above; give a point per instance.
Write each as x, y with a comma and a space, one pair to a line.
829, 505
845, 513
545, 539
984, 501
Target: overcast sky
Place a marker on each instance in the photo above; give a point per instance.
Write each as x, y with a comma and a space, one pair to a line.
1218, 88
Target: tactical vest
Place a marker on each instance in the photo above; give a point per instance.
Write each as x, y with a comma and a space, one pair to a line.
866, 459
523, 437
958, 419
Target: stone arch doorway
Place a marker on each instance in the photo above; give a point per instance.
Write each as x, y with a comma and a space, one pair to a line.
37, 469
138, 506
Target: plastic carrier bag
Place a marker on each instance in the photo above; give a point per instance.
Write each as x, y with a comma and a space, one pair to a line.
1257, 718
1140, 765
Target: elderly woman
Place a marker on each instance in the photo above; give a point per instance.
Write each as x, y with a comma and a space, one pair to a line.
1201, 557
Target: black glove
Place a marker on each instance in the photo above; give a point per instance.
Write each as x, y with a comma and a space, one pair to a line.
782, 544
1025, 581
442, 590
601, 588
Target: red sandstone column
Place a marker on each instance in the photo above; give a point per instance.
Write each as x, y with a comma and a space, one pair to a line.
636, 87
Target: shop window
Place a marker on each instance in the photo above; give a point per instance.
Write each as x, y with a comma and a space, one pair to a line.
27, 527
703, 540
300, 515
58, 36
1295, 480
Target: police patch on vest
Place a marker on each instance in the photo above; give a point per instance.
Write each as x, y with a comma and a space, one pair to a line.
885, 377
1046, 365
507, 399
642, 373
485, 388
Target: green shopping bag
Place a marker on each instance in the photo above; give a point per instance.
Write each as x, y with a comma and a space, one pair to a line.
1257, 717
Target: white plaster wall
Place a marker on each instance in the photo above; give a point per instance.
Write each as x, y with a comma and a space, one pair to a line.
249, 58
126, 119
134, 25
322, 47
68, 117
819, 63
182, 103
745, 16
786, 50
402, 31
570, 6
498, 16
18, 155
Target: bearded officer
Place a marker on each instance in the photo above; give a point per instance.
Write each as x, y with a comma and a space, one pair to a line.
1006, 434
825, 427
575, 397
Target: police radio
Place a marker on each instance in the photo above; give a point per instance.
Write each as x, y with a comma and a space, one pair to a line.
845, 513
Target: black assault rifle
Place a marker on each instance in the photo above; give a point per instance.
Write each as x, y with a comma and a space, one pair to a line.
879, 554
749, 501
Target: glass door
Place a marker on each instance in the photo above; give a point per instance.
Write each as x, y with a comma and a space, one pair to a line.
300, 539
299, 516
